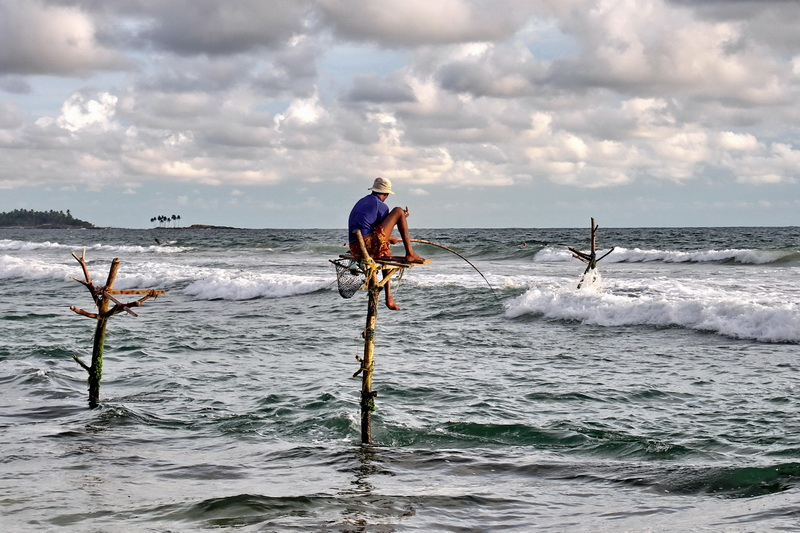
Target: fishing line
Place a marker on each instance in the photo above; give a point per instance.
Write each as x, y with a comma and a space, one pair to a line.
462, 257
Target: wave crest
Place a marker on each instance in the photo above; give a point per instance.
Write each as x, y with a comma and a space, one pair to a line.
730, 316
638, 255
226, 286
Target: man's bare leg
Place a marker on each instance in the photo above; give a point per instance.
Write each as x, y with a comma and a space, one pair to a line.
397, 217
390, 303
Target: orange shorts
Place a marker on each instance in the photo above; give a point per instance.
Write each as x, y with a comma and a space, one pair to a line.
377, 244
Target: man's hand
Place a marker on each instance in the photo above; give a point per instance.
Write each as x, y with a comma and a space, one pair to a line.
394, 239
405, 211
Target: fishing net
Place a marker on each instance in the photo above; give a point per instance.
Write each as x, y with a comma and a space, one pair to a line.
349, 276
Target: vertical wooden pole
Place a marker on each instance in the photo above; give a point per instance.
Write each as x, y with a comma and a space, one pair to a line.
591, 258
367, 395
96, 368
373, 290
103, 297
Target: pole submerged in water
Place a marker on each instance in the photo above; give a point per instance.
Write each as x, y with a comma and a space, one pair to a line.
389, 267
591, 258
367, 363
103, 297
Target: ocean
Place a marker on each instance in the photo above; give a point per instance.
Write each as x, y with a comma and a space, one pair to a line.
660, 396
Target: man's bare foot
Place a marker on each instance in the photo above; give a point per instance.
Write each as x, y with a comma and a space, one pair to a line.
391, 304
413, 258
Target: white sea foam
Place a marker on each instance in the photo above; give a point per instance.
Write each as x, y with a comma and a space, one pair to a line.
132, 274
199, 282
19, 268
14, 245
157, 275
736, 315
591, 280
638, 255
469, 279
223, 285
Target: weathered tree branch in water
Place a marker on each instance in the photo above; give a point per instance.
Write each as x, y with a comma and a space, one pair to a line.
103, 296
591, 258
80, 362
82, 312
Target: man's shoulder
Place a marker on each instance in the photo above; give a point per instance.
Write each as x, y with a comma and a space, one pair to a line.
367, 200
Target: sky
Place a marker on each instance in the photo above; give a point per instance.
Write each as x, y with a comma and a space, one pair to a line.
483, 113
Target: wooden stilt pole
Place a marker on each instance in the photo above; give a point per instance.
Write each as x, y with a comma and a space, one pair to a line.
96, 368
591, 258
103, 297
367, 394
367, 362
389, 267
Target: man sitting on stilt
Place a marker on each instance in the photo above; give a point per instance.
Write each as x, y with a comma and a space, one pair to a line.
376, 222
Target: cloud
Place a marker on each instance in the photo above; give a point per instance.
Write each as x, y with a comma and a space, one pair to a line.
772, 21
14, 84
10, 116
191, 27
442, 95
775, 164
41, 38
370, 88
417, 22
651, 47
79, 112
500, 72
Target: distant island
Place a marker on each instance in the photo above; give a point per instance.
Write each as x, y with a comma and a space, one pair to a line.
207, 226
26, 218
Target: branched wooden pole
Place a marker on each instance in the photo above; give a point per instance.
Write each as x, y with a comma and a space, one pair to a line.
103, 296
591, 258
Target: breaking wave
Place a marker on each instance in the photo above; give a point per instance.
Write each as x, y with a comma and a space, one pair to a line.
638, 255
733, 316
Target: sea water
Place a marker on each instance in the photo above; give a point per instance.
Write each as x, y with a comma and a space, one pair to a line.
660, 396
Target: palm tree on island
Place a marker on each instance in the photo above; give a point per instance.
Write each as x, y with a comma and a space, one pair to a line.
164, 219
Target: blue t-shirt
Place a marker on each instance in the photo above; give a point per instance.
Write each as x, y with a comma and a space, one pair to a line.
365, 215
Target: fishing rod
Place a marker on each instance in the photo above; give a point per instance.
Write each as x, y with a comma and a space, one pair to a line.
443, 247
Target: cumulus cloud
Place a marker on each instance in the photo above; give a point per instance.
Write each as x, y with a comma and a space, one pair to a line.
190, 27
37, 37
501, 72
585, 95
373, 89
79, 112
222, 28
415, 22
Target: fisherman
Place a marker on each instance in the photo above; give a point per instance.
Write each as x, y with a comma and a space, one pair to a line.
372, 216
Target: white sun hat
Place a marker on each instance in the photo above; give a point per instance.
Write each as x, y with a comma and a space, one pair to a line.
382, 186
